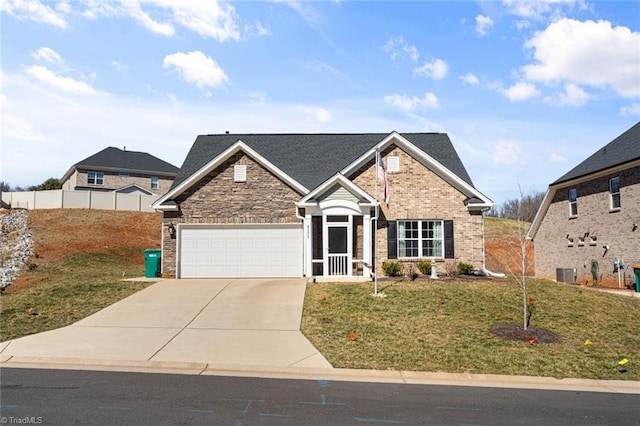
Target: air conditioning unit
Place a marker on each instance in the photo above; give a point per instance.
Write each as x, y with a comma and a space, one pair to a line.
566, 275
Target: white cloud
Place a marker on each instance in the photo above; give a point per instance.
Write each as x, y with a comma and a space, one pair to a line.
483, 24
33, 10
470, 78
396, 47
410, 103
47, 55
573, 95
209, 18
538, 9
412, 51
257, 29
437, 69
309, 14
174, 100
318, 114
521, 91
15, 127
257, 97
633, 109
66, 84
588, 53
133, 9
557, 158
196, 68
119, 66
506, 153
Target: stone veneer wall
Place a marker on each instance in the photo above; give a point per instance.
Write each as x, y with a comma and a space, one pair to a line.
614, 228
217, 199
114, 180
418, 193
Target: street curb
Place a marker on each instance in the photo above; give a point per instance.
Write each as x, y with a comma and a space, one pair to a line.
336, 374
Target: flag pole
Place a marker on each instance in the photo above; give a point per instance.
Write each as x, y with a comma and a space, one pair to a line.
375, 230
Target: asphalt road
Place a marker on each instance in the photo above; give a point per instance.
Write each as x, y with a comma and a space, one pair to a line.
61, 397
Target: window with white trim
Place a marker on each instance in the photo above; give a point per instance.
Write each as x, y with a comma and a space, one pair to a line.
420, 238
155, 182
573, 202
614, 189
393, 164
95, 178
240, 173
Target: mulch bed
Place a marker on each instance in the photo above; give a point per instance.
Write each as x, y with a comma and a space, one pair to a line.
516, 332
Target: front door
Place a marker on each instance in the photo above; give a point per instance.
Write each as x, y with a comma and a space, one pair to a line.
339, 254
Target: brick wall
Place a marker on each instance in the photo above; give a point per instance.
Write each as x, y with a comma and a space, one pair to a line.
595, 217
114, 180
217, 199
418, 193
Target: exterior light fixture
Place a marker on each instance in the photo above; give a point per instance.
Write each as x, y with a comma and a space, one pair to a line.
172, 230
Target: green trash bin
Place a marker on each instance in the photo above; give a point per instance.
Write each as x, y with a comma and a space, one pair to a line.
152, 263
636, 271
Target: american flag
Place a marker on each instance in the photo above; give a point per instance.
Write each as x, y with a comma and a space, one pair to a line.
382, 175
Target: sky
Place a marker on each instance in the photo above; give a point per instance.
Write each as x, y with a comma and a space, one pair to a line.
525, 90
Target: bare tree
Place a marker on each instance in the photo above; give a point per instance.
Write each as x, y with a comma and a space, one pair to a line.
523, 247
524, 208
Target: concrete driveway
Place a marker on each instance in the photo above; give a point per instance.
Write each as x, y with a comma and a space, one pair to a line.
218, 322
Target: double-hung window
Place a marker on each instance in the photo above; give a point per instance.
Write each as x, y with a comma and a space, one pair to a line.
154, 182
614, 189
420, 238
95, 178
573, 202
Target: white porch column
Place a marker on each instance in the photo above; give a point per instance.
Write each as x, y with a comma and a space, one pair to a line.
366, 247
308, 248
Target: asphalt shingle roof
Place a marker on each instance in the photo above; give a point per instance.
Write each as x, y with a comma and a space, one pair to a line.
115, 158
621, 150
311, 159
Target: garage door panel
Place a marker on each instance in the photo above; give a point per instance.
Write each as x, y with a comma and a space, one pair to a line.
246, 251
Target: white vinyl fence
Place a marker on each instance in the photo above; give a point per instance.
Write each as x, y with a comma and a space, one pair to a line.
63, 199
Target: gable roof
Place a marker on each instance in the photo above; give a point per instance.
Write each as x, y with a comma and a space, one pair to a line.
305, 161
621, 150
311, 159
115, 159
619, 154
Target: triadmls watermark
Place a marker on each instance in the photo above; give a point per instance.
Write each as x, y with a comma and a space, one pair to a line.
23, 420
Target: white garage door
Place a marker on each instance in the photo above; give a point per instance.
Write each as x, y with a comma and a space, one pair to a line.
241, 251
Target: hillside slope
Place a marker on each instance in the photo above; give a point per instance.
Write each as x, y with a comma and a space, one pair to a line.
60, 233
63, 232
502, 247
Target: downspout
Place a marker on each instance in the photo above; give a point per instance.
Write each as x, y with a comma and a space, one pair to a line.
484, 258
305, 235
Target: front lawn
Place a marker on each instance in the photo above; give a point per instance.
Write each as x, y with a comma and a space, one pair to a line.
444, 326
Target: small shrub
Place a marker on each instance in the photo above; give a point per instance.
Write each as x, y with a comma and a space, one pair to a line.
451, 267
465, 268
410, 270
391, 268
424, 266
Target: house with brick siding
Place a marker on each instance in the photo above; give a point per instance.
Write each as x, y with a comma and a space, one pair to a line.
312, 205
587, 226
119, 170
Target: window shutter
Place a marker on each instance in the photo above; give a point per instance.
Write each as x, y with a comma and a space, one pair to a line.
448, 239
392, 239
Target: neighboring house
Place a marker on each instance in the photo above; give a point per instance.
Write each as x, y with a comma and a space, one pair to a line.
122, 171
293, 205
589, 218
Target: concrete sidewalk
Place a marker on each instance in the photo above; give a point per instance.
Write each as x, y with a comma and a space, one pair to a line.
215, 321
227, 327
